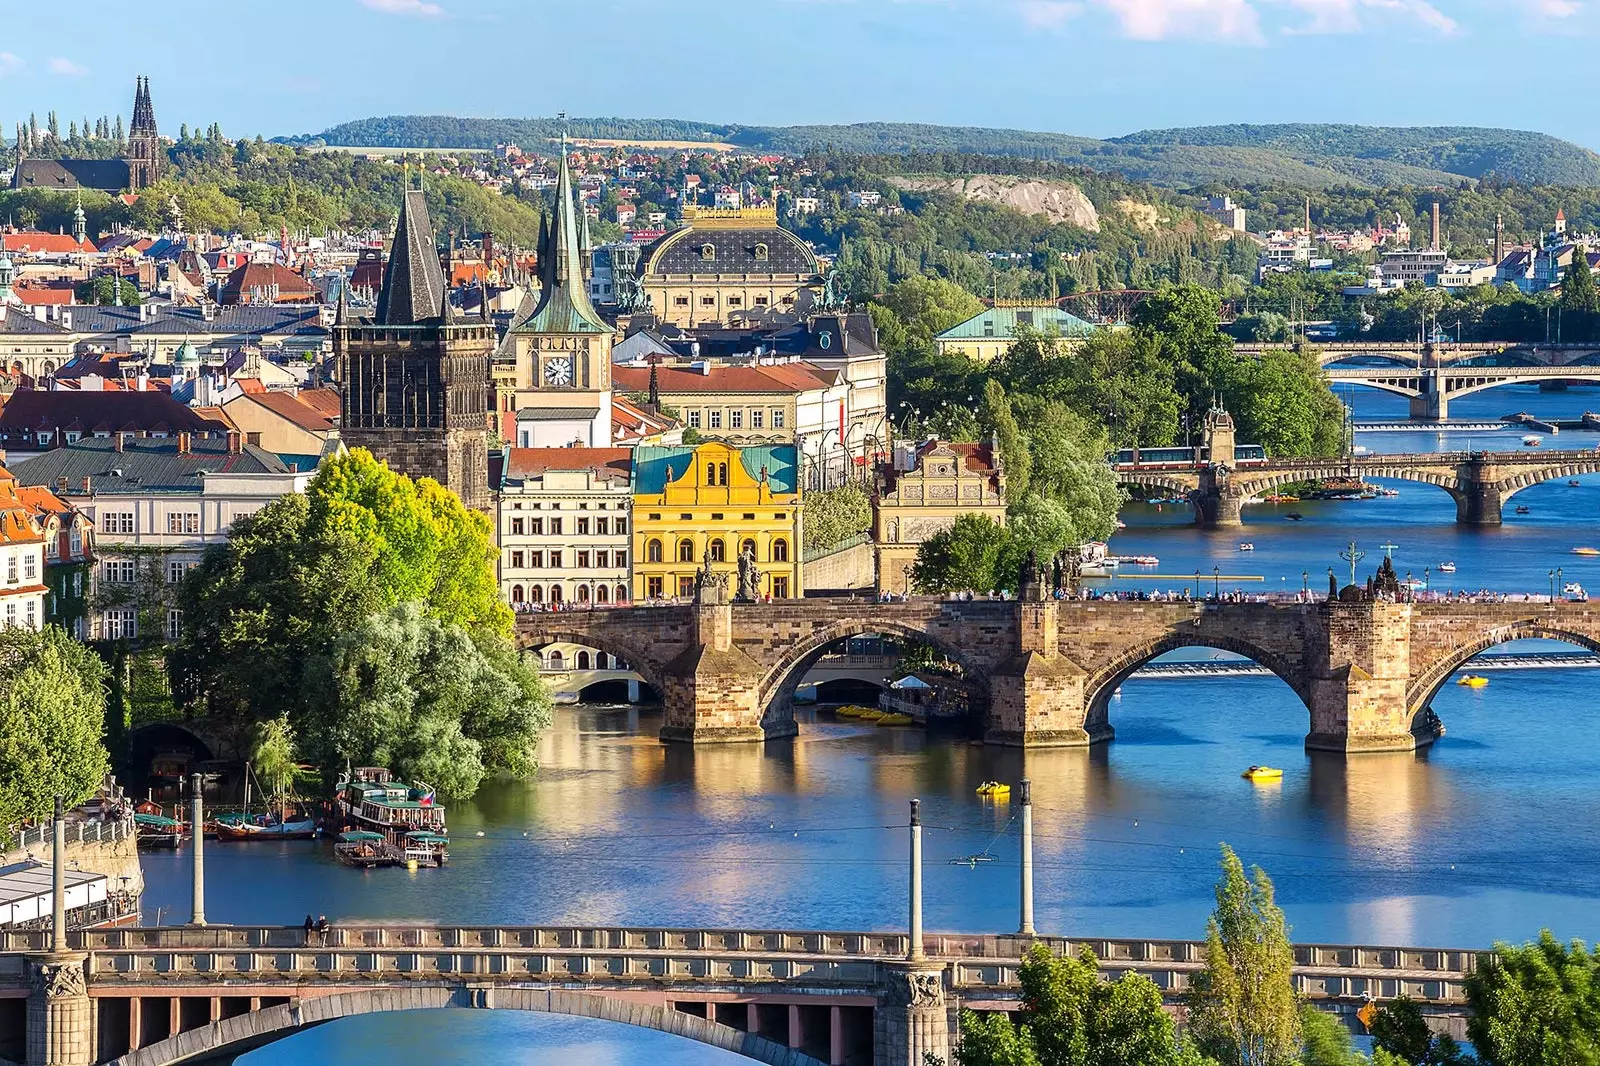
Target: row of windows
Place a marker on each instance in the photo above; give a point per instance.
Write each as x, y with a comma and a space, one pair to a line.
126, 571
23, 566
125, 522
655, 587
535, 527
731, 301
28, 615
525, 596
718, 549
124, 623
557, 662
581, 560
621, 505
711, 418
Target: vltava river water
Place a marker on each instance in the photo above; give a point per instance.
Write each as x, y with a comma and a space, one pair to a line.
1486, 835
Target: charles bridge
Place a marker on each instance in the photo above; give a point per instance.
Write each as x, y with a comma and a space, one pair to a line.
1041, 672
1479, 482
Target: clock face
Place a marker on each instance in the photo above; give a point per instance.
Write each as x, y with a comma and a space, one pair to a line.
558, 371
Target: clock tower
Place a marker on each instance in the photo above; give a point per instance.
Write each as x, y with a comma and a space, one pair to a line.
561, 345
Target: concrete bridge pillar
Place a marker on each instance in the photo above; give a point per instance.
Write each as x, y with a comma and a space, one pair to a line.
1359, 661
912, 1020
1036, 697
712, 690
1479, 501
1431, 404
60, 1022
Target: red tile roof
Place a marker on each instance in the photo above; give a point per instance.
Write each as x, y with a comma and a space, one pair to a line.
324, 401
526, 462
289, 406
43, 243
266, 283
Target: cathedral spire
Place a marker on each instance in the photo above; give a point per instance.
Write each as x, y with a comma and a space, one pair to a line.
414, 288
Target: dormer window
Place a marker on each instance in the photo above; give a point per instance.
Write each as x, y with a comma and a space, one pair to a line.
708, 252
761, 253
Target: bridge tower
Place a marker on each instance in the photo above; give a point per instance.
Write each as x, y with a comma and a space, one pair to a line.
1359, 661
1218, 501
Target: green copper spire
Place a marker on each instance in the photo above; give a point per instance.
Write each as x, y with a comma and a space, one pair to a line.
564, 305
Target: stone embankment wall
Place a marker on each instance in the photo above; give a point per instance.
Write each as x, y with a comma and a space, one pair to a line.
115, 858
849, 568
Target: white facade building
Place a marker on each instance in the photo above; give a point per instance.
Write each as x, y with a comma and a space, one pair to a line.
562, 524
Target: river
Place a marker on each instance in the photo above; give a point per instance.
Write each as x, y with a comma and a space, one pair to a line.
1485, 835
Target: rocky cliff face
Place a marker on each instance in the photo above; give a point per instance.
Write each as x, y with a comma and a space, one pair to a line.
1059, 201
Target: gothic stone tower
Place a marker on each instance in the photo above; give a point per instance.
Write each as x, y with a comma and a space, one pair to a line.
415, 379
144, 143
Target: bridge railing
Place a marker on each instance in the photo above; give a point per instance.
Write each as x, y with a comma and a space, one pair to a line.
844, 945
78, 832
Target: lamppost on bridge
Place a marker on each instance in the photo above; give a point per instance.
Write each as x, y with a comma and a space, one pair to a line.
1197, 583
1305, 583
1427, 579
1555, 576
1216, 582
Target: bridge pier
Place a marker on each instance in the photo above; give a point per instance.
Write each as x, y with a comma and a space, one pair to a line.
1218, 510
1037, 697
712, 689
1360, 659
60, 1019
1430, 405
1479, 502
912, 1021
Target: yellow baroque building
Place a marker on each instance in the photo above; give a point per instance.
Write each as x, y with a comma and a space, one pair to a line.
717, 499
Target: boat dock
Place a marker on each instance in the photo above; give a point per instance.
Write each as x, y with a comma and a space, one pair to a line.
1246, 668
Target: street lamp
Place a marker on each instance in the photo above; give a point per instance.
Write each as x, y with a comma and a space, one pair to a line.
1305, 582
1216, 582
1197, 583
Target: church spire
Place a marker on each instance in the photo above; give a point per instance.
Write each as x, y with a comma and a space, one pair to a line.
414, 288
564, 305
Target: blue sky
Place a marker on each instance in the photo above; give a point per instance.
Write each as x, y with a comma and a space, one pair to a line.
1093, 67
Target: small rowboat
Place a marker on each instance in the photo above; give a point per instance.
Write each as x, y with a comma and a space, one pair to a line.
305, 830
1262, 773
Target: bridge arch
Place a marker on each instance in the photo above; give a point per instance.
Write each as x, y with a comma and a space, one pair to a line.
778, 683
1524, 479
1491, 380
1421, 692
598, 639
1255, 485
1105, 681
224, 1039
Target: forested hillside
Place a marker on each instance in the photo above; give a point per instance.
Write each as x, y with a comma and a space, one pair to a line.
1301, 154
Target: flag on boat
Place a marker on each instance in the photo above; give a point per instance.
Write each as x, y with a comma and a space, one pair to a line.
427, 799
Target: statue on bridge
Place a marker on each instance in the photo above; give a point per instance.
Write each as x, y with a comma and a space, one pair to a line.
749, 576
710, 586
1030, 582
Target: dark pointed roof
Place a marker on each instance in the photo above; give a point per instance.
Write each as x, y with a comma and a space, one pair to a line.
564, 305
413, 282
144, 113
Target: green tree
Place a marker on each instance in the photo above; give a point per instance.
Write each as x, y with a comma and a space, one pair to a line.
1578, 292
1400, 1029
274, 756
1070, 1017
1325, 1040
52, 710
927, 306
412, 692
426, 545
835, 515
1282, 402
99, 291
1014, 453
1535, 1005
967, 556
1242, 1007
1068, 465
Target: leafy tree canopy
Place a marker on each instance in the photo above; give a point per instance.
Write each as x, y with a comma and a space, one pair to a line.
1536, 1005
52, 710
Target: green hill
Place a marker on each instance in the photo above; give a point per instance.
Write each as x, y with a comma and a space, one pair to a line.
1299, 154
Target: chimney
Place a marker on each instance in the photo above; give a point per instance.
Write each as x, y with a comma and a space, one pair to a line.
66, 318
1435, 245
61, 486
183, 443
1499, 238
235, 442
88, 485
122, 440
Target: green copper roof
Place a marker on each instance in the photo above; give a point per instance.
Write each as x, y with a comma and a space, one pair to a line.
1003, 322
564, 305
650, 466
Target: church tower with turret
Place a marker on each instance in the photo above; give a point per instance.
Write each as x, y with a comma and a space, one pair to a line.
144, 155
414, 379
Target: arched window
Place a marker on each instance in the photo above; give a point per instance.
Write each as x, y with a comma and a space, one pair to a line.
711, 473
516, 594
685, 551
722, 473
780, 551
652, 551
622, 594
556, 662
583, 660
719, 551
535, 594
708, 252
748, 545
583, 593
555, 593
601, 594
601, 659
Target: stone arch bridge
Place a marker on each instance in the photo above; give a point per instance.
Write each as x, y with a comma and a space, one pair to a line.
165, 996
1479, 482
1431, 389
1506, 353
1043, 673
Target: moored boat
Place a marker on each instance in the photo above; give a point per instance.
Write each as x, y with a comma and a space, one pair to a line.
409, 817
366, 850
1473, 681
157, 831
305, 829
1262, 773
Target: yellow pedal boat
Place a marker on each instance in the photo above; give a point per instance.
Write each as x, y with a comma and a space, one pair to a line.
1473, 681
994, 790
895, 719
1262, 773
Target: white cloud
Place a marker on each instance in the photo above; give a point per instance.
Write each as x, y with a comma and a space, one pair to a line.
419, 8
1049, 14
9, 63
66, 67
1347, 16
1158, 20
1556, 9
